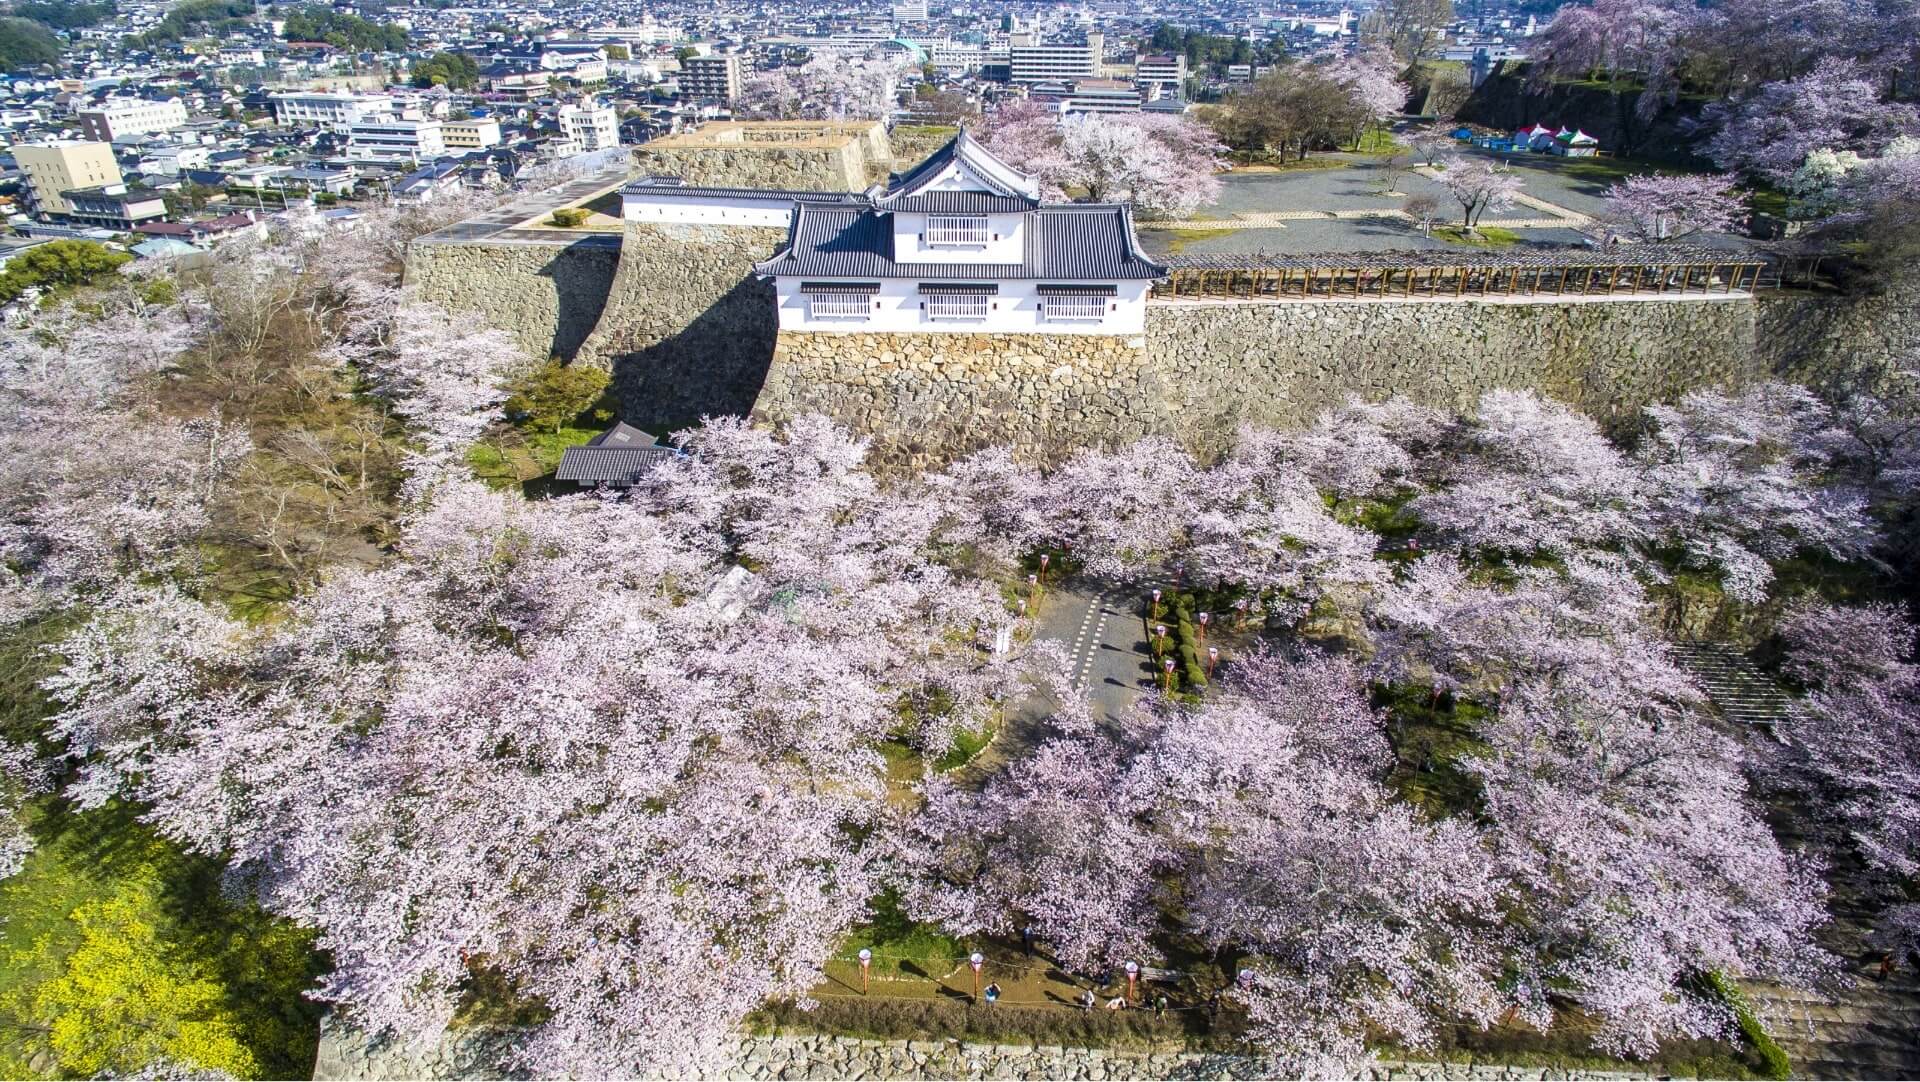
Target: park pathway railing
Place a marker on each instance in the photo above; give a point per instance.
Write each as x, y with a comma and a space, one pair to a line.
1641, 270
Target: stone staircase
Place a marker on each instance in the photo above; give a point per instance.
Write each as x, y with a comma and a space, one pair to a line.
1741, 692
1867, 1029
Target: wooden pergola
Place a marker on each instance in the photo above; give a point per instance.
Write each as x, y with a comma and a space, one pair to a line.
1642, 270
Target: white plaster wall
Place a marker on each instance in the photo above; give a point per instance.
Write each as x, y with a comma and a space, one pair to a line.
716, 211
908, 247
1016, 310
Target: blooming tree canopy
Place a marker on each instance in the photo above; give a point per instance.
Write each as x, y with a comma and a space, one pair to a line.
1658, 209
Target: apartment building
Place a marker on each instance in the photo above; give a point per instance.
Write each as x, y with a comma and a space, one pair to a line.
334, 112
117, 118
112, 206
475, 133
1030, 60
388, 138
1168, 71
52, 169
909, 11
590, 126
710, 78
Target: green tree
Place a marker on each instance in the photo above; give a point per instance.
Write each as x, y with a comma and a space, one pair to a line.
455, 70
25, 44
555, 393
64, 15
618, 52
57, 264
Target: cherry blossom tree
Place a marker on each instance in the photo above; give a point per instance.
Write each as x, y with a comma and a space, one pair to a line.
1619, 37
568, 744
1733, 482
1125, 510
1361, 916
1372, 80
1367, 450
22, 776
825, 88
1478, 187
1164, 165
1262, 525
1526, 476
1836, 106
1858, 730
1659, 209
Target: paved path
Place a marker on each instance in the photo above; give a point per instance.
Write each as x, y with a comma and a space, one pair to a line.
1555, 216
507, 224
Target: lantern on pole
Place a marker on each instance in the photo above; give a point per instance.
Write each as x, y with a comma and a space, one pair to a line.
1213, 658
1133, 980
976, 960
1240, 607
1023, 606
1044, 559
1159, 638
1203, 618
1169, 670
866, 963
1156, 604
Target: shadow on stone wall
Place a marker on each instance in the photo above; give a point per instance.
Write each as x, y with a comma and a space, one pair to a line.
714, 366
582, 277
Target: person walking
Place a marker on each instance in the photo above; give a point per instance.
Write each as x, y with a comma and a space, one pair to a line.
993, 994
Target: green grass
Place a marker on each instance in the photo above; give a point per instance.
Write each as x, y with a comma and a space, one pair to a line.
262, 964
966, 744
1431, 736
515, 456
1482, 237
900, 944
1178, 238
1378, 142
1772, 1059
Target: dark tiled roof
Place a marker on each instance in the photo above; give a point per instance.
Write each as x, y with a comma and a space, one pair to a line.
966, 150
1077, 240
788, 195
960, 203
609, 465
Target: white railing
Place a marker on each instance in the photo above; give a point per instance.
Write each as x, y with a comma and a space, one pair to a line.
1074, 309
957, 306
956, 231
830, 306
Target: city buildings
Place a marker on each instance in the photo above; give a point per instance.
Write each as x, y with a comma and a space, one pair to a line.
1168, 71
333, 112
589, 126
473, 133
389, 138
117, 118
53, 169
1030, 60
713, 78
114, 206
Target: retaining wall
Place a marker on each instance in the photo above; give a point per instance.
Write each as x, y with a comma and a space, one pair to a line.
346, 1055
689, 332
686, 328
548, 296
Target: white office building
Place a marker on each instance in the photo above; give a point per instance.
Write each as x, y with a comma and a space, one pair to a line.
590, 126
1168, 71
117, 118
334, 112
388, 138
1032, 61
909, 11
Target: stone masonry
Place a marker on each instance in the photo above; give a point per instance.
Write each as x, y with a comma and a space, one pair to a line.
547, 296
1203, 368
686, 329
345, 1055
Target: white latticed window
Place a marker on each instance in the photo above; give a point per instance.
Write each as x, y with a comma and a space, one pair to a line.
838, 306
956, 230
1074, 309
957, 306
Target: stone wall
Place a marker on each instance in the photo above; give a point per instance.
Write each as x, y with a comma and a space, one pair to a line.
686, 328
346, 1055
839, 167
1203, 368
548, 296
1821, 339
928, 397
